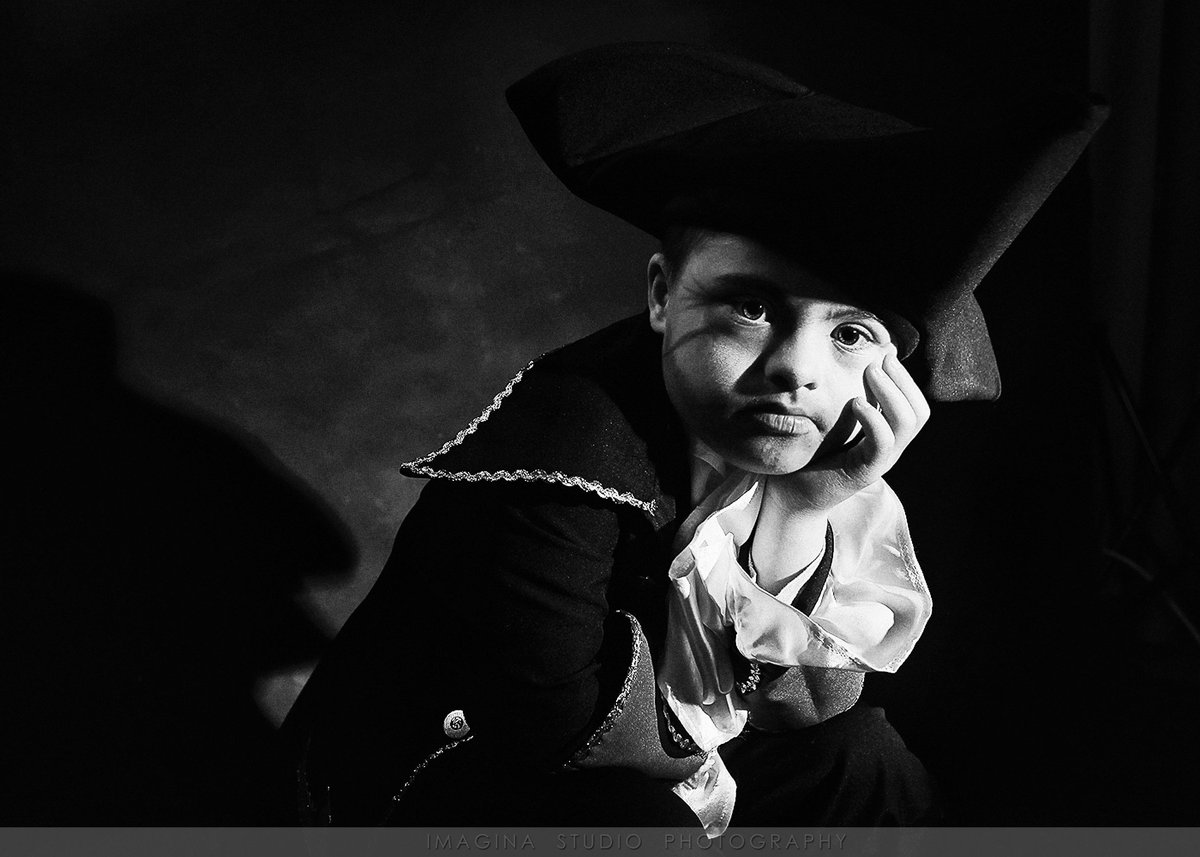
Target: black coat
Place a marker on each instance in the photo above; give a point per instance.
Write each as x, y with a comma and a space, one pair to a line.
514, 628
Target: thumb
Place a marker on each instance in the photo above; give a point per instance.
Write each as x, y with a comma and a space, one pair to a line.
841, 437
868, 461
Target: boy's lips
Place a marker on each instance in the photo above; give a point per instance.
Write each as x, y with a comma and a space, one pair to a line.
780, 419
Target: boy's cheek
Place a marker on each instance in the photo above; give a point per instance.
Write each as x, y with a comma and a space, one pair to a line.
705, 380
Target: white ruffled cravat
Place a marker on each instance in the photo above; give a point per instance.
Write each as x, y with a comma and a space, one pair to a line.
869, 615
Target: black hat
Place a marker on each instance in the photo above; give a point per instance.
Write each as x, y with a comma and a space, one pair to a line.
906, 219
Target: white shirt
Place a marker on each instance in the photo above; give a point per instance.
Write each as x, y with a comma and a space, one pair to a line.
873, 607
708, 472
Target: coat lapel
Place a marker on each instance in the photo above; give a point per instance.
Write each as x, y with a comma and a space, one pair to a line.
592, 416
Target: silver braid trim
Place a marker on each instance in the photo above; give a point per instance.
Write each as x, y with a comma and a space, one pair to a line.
681, 740
618, 707
751, 683
420, 466
398, 796
475, 423
553, 476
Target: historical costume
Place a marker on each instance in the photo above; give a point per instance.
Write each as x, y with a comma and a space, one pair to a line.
568, 630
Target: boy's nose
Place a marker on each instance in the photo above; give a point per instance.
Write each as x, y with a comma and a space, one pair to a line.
794, 361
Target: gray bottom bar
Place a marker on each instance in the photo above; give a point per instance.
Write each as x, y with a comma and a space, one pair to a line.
402, 842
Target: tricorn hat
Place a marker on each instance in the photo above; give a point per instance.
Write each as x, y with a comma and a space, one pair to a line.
906, 219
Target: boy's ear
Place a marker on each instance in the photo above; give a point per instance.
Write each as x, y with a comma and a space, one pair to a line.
657, 291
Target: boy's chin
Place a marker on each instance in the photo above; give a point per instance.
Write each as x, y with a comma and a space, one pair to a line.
772, 458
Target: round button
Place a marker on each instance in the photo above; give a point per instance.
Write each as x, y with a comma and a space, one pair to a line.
455, 724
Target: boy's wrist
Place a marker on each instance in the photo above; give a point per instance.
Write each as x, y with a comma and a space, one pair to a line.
785, 544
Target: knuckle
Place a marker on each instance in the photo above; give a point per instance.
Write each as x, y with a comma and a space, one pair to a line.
884, 444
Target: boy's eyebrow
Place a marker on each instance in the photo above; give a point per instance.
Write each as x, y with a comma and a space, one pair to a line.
852, 312
735, 279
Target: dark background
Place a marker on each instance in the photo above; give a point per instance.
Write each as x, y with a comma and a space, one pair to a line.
258, 254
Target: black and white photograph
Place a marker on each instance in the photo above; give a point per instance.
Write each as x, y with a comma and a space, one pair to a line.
705, 416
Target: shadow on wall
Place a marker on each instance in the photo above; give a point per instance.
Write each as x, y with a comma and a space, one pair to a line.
150, 564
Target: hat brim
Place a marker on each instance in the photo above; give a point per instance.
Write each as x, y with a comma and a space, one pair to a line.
903, 218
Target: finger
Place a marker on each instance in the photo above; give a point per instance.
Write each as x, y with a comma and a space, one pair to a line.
874, 455
901, 377
842, 435
892, 402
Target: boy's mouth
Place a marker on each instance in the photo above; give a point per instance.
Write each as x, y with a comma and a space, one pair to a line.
780, 420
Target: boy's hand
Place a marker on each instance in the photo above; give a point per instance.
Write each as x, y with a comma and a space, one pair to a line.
794, 512
891, 414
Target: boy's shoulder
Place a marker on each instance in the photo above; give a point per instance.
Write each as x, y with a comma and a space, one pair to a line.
592, 415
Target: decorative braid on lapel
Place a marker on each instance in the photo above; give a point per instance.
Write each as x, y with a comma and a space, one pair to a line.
553, 476
422, 466
473, 426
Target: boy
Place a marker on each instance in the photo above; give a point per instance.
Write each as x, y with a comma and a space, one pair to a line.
643, 586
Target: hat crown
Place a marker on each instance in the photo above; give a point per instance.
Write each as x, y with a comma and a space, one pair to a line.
609, 99
904, 219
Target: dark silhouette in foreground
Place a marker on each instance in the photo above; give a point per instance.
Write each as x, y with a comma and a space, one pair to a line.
150, 561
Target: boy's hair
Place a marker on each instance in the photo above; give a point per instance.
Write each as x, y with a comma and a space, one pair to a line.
678, 241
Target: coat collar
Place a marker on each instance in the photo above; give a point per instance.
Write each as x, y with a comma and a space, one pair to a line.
593, 416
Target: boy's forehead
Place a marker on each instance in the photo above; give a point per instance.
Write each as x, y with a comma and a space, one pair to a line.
727, 260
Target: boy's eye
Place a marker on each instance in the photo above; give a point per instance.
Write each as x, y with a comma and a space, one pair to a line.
751, 310
852, 336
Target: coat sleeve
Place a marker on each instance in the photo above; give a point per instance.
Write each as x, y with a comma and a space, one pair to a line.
803, 696
551, 676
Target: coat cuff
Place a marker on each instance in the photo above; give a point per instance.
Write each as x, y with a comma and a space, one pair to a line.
803, 696
631, 734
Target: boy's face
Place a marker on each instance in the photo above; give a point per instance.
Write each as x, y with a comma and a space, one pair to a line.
759, 356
